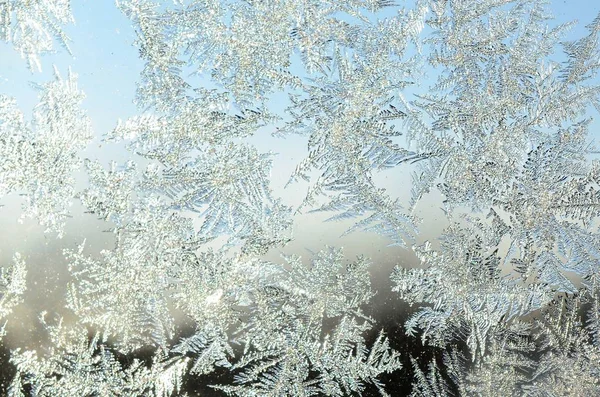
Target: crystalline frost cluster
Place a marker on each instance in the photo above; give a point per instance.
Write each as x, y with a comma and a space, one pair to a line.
484, 101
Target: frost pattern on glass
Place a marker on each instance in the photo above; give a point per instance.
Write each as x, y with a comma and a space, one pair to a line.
80, 366
12, 287
284, 351
124, 292
38, 158
554, 355
469, 299
33, 26
501, 132
350, 88
502, 135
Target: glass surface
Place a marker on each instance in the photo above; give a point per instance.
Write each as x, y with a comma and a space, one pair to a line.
294, 197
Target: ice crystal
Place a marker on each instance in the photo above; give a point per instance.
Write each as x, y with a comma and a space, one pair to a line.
569, 361
469, 298
552, 357
284, 352
78, 366
33, 26
501, 132
38, 158
133, 305
12, 286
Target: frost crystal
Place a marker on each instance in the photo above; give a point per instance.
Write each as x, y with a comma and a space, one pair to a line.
12, 286
32, 26
284, 353
38, 158
77, 366
471, 96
